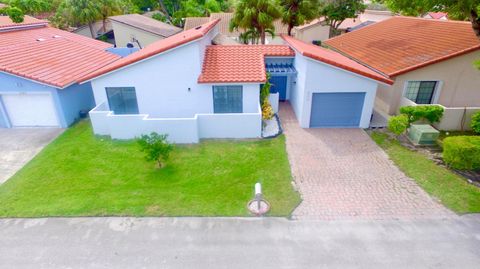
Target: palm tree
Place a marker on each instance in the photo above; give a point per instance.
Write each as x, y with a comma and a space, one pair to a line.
108, 8
83, 12
256, 14
297, 12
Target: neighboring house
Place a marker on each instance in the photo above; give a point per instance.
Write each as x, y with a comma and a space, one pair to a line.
431, 62
436, 16
139, 30
366, 18
314, 31
97, 29
189, 89
39, 70
223, 27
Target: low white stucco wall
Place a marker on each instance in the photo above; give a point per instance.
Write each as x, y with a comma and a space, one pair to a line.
453, 117
179, 130
274, 98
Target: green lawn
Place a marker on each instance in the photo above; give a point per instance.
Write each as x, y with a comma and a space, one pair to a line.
453, 191
82, 175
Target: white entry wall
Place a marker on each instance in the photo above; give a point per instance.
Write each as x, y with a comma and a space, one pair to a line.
318, 77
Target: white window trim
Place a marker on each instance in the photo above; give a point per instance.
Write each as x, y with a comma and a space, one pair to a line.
436, 91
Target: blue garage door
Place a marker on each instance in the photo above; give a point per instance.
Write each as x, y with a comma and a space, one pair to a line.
337, 109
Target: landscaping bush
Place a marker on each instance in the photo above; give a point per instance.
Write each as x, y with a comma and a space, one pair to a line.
265, 91
156, 147
398, 124
430, 113
475, 123
462, 152
267, 110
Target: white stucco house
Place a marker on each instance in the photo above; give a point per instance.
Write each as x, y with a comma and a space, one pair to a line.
190, 89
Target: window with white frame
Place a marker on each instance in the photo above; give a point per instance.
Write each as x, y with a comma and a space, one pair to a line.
227, 99
421, 92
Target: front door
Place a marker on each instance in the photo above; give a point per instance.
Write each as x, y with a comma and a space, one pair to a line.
279, 84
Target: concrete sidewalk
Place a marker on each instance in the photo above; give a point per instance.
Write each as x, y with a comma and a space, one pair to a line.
238, 243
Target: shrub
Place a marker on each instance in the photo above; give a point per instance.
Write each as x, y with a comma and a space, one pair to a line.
398, 124
475, 123
431, 113
265, 91
156, 147
462, 152
267, 110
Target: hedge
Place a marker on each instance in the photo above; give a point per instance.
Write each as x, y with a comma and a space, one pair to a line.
462, 152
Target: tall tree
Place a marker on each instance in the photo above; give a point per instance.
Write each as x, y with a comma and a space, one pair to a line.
108, 8
32, 7
83, 12
456, 9
336, 11
256, 14
297, 12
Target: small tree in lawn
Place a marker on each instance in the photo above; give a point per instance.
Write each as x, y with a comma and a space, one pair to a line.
156, 147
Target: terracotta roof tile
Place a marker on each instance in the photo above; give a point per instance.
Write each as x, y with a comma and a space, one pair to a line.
334, 58
192, 22
156, 48
51, 56
7, 23
401, 44
240, 63
147, 24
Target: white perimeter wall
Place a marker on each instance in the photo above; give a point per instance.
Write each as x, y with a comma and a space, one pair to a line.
316, 77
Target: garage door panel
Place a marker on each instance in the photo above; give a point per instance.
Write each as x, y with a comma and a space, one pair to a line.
30, 110
337, 109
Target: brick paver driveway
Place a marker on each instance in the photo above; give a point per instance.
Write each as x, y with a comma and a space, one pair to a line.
343, 174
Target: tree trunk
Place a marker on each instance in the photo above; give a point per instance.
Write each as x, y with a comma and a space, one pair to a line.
262, 36
164, 9
289, 30
92, 32
104, 24
475, 20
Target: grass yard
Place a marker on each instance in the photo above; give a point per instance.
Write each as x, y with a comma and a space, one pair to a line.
453, 191
82, 175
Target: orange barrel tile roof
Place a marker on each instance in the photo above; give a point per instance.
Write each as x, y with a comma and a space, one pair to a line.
401, 44
155, 48
51, 56
239, 63
334, 58
6, 22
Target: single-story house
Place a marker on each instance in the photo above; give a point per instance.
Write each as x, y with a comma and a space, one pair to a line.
39, 70
430, 62
226, 37
140, 31
190, 89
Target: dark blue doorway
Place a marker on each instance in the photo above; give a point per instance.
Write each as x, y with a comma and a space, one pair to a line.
279, 84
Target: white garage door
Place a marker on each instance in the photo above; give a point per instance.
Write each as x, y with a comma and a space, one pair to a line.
30, 110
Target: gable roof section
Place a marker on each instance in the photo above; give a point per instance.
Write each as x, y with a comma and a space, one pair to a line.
402, 44
7, 24
147, 24
335, 59
239, 63
51, 56
155, 48
437, 15
192, 22
12, 38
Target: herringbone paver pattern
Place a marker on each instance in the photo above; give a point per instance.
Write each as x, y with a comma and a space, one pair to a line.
343, 174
